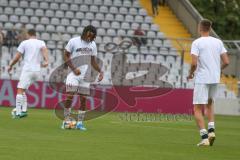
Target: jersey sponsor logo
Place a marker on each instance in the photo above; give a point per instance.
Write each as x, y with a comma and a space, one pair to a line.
85, 50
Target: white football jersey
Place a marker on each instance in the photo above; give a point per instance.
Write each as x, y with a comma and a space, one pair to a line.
31, 51
78, 47
208, 50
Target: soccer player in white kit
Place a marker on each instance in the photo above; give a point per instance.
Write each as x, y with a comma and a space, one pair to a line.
84, 48
31, 50
207, 53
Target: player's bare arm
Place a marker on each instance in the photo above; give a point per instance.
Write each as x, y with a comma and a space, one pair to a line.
97, 68
14, 61
67, 59
225, 60
193, 67
44, 51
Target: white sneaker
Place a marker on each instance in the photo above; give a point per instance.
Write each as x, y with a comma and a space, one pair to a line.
211, 138
204, 142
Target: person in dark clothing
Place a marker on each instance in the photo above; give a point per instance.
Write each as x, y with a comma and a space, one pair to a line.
155, 7
11, 37
138, 41
162, 2
1, 36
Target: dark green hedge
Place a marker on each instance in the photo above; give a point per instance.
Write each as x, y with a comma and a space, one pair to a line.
225, 15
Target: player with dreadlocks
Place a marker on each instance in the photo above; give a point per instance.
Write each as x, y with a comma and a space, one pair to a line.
82, 48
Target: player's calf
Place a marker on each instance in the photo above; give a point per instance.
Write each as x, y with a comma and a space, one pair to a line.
81, 115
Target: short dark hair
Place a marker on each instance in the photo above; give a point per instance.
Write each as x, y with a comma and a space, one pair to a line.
89, 28
31, 32
205, 25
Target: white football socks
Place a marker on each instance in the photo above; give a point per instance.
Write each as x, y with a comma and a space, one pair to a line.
24, 105
67, 113
203, 133
19, 103
81, 115
211, 125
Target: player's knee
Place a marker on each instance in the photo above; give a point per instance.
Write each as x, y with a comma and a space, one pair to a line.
70, 97
68, 102
20, 91
195, 109
210, 101
82, 98
83, 102
198, 108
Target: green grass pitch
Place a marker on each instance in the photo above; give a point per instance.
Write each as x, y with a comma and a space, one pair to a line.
39, 137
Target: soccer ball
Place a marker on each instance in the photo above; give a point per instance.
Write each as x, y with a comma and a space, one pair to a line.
14, 111
69, 124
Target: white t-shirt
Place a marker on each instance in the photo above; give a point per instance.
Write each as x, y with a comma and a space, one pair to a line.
31, 51
208, 50
78, 47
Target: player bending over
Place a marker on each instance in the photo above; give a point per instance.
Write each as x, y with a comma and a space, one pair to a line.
84, 48
207, 53
31, 51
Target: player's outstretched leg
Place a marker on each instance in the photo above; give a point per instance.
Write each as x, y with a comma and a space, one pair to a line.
80, 125
21, 103
200, 122
81, 114
24, 106
67, 110
17, 112
211, 125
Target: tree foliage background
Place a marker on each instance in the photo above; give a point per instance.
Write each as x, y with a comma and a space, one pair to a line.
225, 15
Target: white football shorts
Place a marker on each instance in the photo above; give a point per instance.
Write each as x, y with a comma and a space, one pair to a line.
27, 78
203, 92
77, 84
